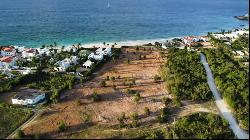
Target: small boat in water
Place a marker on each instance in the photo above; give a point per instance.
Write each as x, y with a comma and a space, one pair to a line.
244, 17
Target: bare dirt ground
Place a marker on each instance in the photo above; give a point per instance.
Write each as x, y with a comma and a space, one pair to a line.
113, 101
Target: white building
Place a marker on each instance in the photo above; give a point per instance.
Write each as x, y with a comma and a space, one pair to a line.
99, 50
74, 59
189, 39
87, 64
7, 62
204, 38
28, 99
64, 64
240, 53
107, 51
96, 56
29, 53
8, 51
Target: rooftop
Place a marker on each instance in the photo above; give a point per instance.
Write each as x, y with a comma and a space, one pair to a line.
8, 49
6, 59
27, 94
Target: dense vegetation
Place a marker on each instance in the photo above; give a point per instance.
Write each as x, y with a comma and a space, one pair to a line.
232, 81
11, 118
185, 76
241, 43
201, 126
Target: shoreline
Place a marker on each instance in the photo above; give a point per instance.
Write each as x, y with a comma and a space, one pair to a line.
121, 43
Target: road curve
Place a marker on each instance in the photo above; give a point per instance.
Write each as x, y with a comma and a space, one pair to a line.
223, 107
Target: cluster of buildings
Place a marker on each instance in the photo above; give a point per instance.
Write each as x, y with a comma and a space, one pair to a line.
10, 54
230, 36
184, 41
188, 40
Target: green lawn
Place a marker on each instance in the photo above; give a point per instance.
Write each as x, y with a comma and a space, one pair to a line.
11, 118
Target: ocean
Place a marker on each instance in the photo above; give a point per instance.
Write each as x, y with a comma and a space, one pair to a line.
32, 23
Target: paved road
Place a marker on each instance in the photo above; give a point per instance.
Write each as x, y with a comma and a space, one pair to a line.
223, 107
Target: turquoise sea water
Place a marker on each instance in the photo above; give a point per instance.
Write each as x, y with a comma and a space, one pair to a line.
35, 22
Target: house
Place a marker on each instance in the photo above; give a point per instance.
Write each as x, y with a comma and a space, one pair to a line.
8, 51
240, 53
28, 98
87, 64
204, 38
29, 53
74, 59
107, 51
7, 62
99, 50
163, 46
96, 56
189, 39
62, 65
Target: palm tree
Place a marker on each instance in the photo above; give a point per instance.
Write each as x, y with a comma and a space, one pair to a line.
104, 43
55, 44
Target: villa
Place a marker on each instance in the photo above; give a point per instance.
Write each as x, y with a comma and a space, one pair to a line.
8, 51
87, 64
7, 62
96, 56
189, 39
28, 98
29, 53
204, 38
64, 64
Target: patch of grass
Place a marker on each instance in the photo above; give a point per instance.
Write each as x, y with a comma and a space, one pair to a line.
12, 117
103, 83
62, 126
85, 117
95, 97
146, 111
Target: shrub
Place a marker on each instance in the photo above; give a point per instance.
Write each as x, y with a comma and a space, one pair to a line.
166, 101
177, 102
78, 102
140, 57
137, 97
144, 57
114, 86
134, 116
133, 81
146, 111
129, 91
130, 85
20, 134
163, 116
157, 78
103, 83
85, 117
55, 96
128, 61
118, 77
62, 126
107, 78
95, 97
121, 120
113, 78
137, 48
